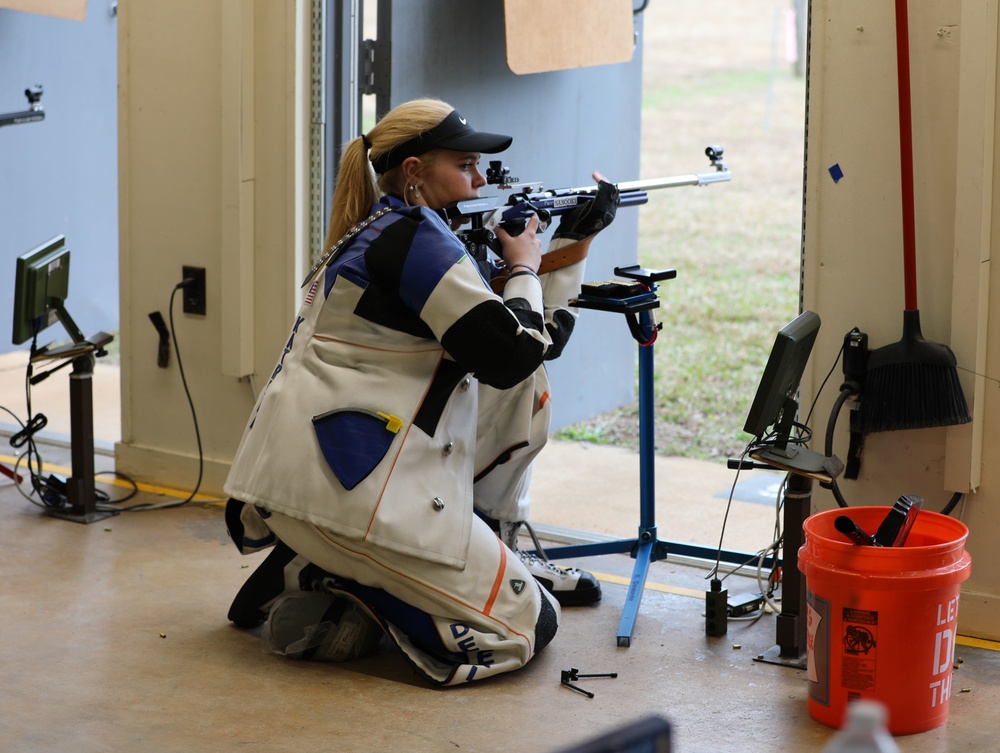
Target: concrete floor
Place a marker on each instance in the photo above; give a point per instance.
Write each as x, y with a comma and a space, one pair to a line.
115, 638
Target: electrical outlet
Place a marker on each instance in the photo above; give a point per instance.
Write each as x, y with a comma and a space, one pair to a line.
855, 356
194, 290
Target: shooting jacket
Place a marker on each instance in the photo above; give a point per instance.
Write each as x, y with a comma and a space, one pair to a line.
367, 426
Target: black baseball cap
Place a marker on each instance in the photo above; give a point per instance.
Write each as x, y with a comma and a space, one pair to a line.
451, 133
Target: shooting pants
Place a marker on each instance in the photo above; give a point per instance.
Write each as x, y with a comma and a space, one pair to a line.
453, 625
513, 427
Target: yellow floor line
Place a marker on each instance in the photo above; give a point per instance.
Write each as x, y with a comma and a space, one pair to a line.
603, 577
964, 640
676, 590
113, 481
961, 640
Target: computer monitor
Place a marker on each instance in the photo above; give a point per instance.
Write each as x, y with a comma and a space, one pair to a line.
647, 735
775, 405
41, 285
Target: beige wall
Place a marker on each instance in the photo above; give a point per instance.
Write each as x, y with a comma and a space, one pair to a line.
212, 174
853, 245
212, 128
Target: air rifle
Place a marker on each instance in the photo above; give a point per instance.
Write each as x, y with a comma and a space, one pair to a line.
33, 114
512, 211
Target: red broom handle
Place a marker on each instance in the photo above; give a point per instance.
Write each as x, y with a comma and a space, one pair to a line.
906, 156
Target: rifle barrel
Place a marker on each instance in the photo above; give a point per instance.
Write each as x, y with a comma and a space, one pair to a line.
693, 179
632, 193
17, 118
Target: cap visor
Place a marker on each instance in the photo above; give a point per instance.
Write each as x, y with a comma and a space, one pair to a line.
488, 143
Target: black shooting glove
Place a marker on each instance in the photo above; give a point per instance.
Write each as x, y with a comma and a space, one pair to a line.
591, 217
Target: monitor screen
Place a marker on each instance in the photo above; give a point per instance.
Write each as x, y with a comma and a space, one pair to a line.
779, 384
41, 285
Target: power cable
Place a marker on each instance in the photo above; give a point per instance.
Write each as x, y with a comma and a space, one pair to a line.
194, 418
48, 496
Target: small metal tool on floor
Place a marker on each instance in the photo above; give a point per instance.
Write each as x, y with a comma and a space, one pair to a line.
572, 674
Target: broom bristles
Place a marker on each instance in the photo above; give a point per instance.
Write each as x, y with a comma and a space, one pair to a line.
912, 384
912, 396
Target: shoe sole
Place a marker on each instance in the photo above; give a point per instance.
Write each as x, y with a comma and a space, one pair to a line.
579, 597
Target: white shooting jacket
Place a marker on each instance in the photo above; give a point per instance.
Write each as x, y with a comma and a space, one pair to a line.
367, 426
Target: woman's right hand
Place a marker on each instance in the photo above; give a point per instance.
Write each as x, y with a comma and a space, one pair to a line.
524, 248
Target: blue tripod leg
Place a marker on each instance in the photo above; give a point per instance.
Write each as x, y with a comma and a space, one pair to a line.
648, 548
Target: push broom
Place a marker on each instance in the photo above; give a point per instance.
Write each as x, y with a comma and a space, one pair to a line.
913, 383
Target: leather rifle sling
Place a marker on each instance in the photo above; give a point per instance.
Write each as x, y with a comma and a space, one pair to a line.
551, 261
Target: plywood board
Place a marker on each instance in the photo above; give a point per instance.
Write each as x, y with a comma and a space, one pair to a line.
553, 35
75, 10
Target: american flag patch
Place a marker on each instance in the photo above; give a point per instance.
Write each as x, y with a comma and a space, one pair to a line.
311, 294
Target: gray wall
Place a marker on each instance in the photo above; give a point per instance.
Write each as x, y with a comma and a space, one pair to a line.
60, 175
565, 124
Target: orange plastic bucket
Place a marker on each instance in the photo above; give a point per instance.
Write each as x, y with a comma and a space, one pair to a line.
882, 621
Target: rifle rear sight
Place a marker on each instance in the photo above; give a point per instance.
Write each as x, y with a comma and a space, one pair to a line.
498, 174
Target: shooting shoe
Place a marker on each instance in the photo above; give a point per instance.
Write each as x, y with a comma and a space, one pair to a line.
319, 626
571, 586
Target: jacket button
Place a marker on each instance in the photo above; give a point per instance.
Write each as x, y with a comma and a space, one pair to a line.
448, 448
437, 503
466, 383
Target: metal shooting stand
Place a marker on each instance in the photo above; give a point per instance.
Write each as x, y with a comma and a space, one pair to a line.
645, 547
80, 489
633, 299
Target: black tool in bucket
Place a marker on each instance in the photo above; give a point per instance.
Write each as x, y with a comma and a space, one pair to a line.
853, 531
896, 526
913, 383
892, 531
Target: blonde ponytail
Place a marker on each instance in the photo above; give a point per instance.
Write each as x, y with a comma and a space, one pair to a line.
357, 186
354, 194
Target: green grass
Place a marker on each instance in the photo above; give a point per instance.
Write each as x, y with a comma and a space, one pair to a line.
736, 246
718, 84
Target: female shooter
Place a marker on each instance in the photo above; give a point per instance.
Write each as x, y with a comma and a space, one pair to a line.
357, 463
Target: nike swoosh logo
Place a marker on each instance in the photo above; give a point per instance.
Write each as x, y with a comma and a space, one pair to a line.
462, 121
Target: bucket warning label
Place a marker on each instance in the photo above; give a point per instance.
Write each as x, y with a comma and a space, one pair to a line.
818, 647
860, 643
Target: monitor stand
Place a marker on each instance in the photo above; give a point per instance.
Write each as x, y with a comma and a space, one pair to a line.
803, 466
80, 487
801, 460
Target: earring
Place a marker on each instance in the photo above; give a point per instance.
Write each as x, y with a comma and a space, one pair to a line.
416, 191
